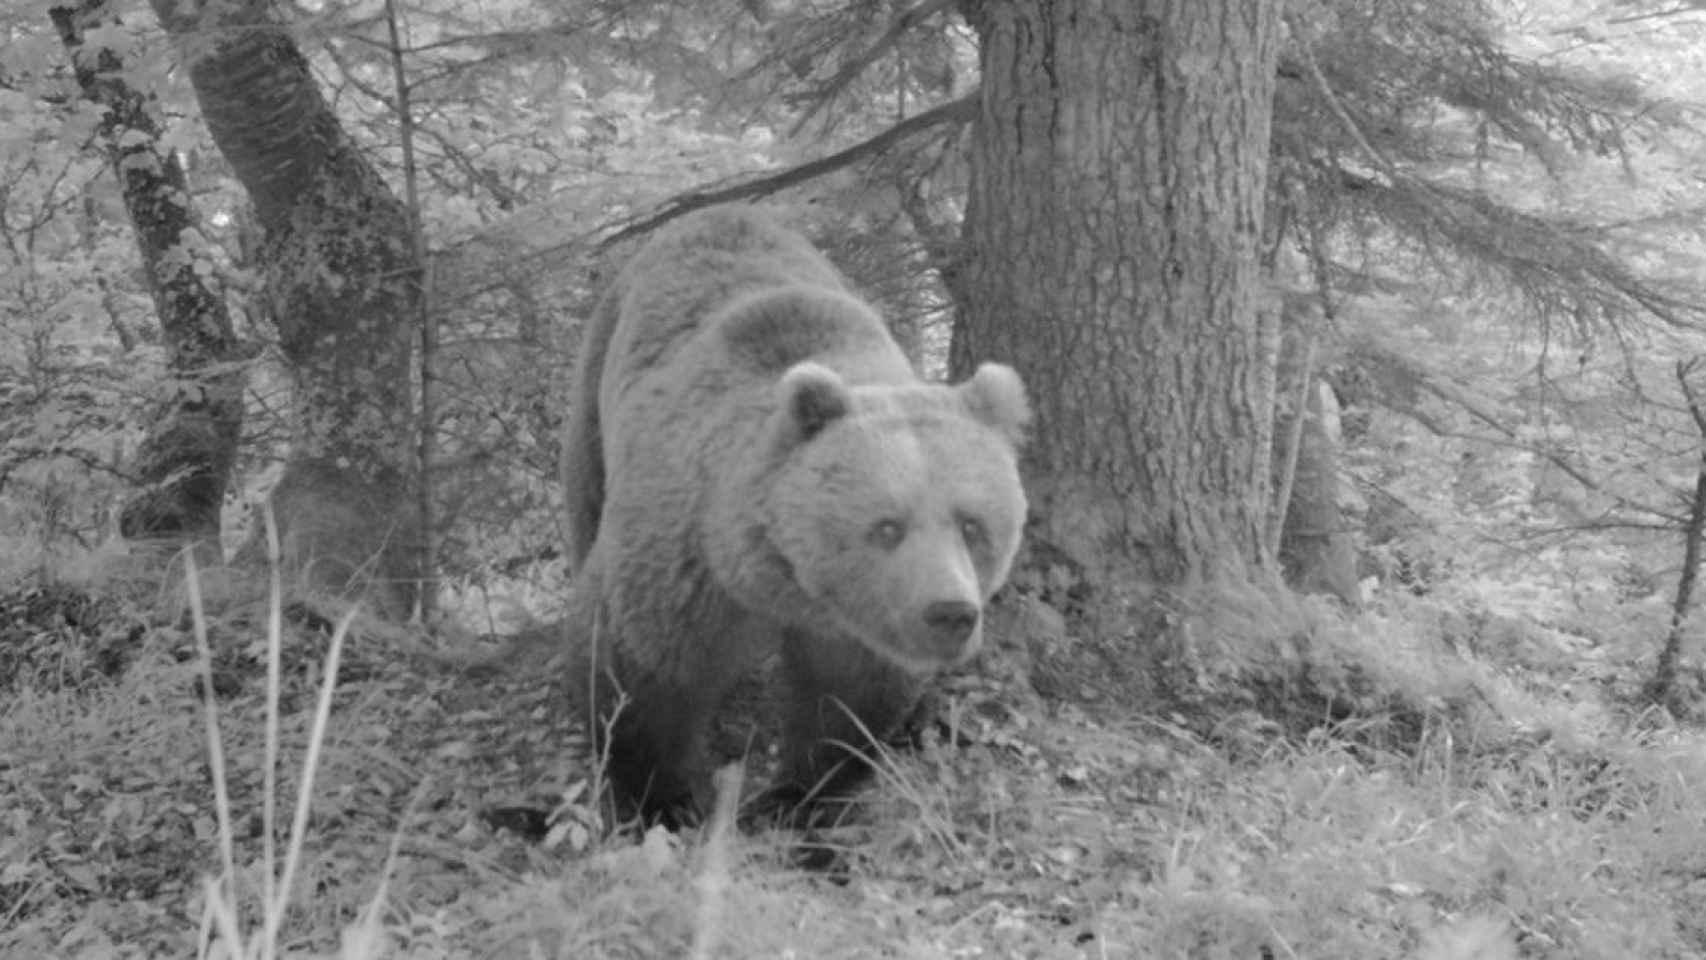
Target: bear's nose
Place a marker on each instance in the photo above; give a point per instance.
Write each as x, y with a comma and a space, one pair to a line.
952, 622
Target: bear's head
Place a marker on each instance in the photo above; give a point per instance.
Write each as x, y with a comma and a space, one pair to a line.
897, 508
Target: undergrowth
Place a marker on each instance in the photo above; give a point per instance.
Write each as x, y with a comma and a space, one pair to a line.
1443, 803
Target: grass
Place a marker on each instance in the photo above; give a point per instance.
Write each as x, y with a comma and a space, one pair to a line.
1528, 826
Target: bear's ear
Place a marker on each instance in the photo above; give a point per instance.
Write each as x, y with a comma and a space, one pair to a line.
996, 397
810, 397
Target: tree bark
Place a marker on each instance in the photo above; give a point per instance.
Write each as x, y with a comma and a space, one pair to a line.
343, 280
185, 462
1317, 551
1115, 210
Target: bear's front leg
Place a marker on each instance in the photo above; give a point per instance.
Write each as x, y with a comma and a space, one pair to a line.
842, 702
656, 689
644, 722
653, 751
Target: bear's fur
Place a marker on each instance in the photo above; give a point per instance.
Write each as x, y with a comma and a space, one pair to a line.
751, 467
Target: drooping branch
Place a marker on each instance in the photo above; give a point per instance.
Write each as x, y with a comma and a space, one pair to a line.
1546, 260
1346, 129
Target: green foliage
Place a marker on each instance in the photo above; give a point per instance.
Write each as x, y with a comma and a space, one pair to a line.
535, 127
1494, 212
1434, 131
1081, 828
73, 355
55, 636
1498, 217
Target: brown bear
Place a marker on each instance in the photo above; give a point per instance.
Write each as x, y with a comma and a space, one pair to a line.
752, 467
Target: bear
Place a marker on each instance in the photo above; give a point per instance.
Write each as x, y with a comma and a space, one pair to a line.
753, 468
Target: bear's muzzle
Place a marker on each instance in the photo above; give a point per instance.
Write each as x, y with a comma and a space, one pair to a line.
952, 626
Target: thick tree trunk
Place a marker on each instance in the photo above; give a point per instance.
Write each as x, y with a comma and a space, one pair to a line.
1115, 210
186, 460
344, 283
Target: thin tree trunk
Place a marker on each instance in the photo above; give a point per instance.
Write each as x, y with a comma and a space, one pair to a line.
186, 460
426, 426
1666, 687
1113, 224
1303, 380
342, 275
1317, 550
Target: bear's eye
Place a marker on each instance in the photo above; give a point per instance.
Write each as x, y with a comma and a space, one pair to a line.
887, 534
976, 535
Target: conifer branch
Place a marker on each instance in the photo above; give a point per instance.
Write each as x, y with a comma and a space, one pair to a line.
903, 22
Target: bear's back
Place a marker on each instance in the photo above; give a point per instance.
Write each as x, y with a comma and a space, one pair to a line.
699, 266
767, 332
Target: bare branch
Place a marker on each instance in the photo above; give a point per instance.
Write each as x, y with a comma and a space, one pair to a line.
960, 111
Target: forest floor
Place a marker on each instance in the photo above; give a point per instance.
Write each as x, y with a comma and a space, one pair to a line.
1543, 823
